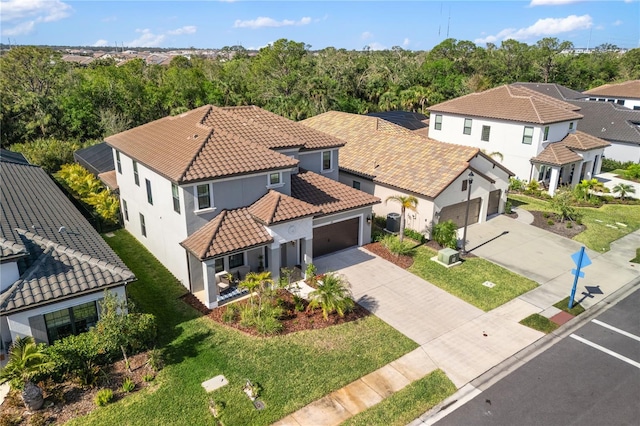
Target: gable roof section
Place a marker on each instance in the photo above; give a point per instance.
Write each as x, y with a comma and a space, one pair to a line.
96, 158
581, 141
556, 154
229, 231
276, 207
328, 195
512, 103
554, 90
627, 89
397, 158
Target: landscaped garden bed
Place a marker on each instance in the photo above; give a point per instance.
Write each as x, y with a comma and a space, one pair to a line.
552, 222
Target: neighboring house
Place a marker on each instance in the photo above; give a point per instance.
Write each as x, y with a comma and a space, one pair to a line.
414, 121
54, 267
535, 134
626, 94
230, 190
384, 159
98, 159
611, 122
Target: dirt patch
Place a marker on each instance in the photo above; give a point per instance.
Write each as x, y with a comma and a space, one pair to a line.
67, 400
551, 222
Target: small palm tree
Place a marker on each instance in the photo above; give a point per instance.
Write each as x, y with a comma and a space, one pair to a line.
26, 361
624, 189
332, 296
257, 282
406, 202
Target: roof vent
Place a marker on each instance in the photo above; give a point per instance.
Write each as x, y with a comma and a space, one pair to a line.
62, 229
603, 129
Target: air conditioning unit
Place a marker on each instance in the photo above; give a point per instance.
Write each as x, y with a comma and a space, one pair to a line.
448, 256
393, 222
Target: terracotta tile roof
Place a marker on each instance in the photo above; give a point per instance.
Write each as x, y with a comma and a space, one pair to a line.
627, 89
556, 154
10, 249
397, 158
328, 195
583, 142
554, 90
277, 207
109, 179
512, 103
229, 231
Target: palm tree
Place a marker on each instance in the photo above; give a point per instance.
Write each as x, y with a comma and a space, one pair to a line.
624, 189
406, 202
26, 361
257, 282
332, 296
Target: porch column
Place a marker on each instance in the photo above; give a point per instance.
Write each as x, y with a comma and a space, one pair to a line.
587, 171
307, 253
576, 175
274, 261
210, 285
553, 180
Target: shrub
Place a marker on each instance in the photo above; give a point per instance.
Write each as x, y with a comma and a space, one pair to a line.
128, 385
38, 419
569, 225
550, 222
546, 215
50, 154
516, 184
533, 187
103, 397
508, 207
414, 235
299, 303
446, 234
562, 202
231, 313
632, 171
609, 165
395, 246
332, 296
148, 377
155, 359
10, 419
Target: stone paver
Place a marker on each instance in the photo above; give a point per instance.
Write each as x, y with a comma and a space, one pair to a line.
414, 365
215, 383
385, 381
357, 397
325, 411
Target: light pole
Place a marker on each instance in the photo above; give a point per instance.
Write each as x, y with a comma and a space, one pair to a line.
466, 216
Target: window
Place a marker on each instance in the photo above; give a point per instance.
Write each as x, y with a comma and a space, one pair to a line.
546, 133
118, 162
464, 184
125, 210
136, 178
486, 131
620, 101
438, 125
204, 197
71, 321
356, 184
527, 136
571, 126
149, 194
176, 197
236, 260
143, 226
274, 179
467, 126
219, 264
326, 160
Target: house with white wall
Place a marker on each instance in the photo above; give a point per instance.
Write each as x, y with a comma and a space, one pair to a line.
520, 124
626, 94
216, 191
54, 267
384, 159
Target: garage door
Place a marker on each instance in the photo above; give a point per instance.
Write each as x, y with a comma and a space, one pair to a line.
456, 212
334, 237
494, 202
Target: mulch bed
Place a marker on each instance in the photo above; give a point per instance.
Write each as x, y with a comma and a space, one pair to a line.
557, 227
68, 400
377, 248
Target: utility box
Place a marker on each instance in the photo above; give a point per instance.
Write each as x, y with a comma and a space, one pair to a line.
448, 256
393, 222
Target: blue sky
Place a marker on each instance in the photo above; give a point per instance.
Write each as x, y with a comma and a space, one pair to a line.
415, 25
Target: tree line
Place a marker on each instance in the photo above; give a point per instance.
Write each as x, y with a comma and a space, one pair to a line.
44, 97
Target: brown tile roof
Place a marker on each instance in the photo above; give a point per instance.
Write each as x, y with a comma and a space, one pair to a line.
328, 195
395, 157
512, 103
556, 154
229, 231
211, 142
627, 89
277, 207
109, 179
582, 141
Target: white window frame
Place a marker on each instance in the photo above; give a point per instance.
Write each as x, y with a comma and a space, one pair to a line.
118, 162
147, 184
546, 134
438, 122
125, 209
278, 184
527, 137
143, 226
175, 195
466, 130
488, 128
136, 175
197, 198
322, 168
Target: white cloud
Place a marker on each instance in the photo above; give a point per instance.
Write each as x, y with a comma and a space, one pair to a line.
542, 28
265, 22
101, 43
552, 2
146, 39
406, 42
188, 29
376, 46
366, 35
21, 16
617, 23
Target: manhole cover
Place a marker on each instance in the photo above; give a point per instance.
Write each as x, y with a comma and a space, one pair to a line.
258, 404
488, 284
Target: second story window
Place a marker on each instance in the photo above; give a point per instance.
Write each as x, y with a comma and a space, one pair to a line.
136, 177
274, 179
527, 136
546, 133
326, 161
571, 126
118, 162
356, 184
204, 196
438, 122
175, 194
149, 194
125, 210
143, 226
486, 131
467, 126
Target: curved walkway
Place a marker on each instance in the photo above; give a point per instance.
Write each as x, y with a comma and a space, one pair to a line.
523, 216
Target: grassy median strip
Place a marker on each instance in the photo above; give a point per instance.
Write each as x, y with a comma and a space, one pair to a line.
293, 370
407, 404
540, 323
465, 280
577, 309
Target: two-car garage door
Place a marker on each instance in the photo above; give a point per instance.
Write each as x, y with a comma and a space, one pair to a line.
336, 236
456, 212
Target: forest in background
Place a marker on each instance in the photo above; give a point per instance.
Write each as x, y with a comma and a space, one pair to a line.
45, 99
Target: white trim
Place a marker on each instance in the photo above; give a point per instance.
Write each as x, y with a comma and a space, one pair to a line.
280, 183
197, 201
331, 165
239, 177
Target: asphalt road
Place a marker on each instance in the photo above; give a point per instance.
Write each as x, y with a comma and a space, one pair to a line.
591, 377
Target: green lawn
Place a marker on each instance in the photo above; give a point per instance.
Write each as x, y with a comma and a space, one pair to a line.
577, 309
293, 370
598, 236
465, 281
540, 323
637, 258
407, 404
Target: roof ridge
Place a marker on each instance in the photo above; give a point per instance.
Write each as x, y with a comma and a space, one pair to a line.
197, 153
220, 217
275, 205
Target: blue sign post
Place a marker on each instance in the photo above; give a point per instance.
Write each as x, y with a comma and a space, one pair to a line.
581, 260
